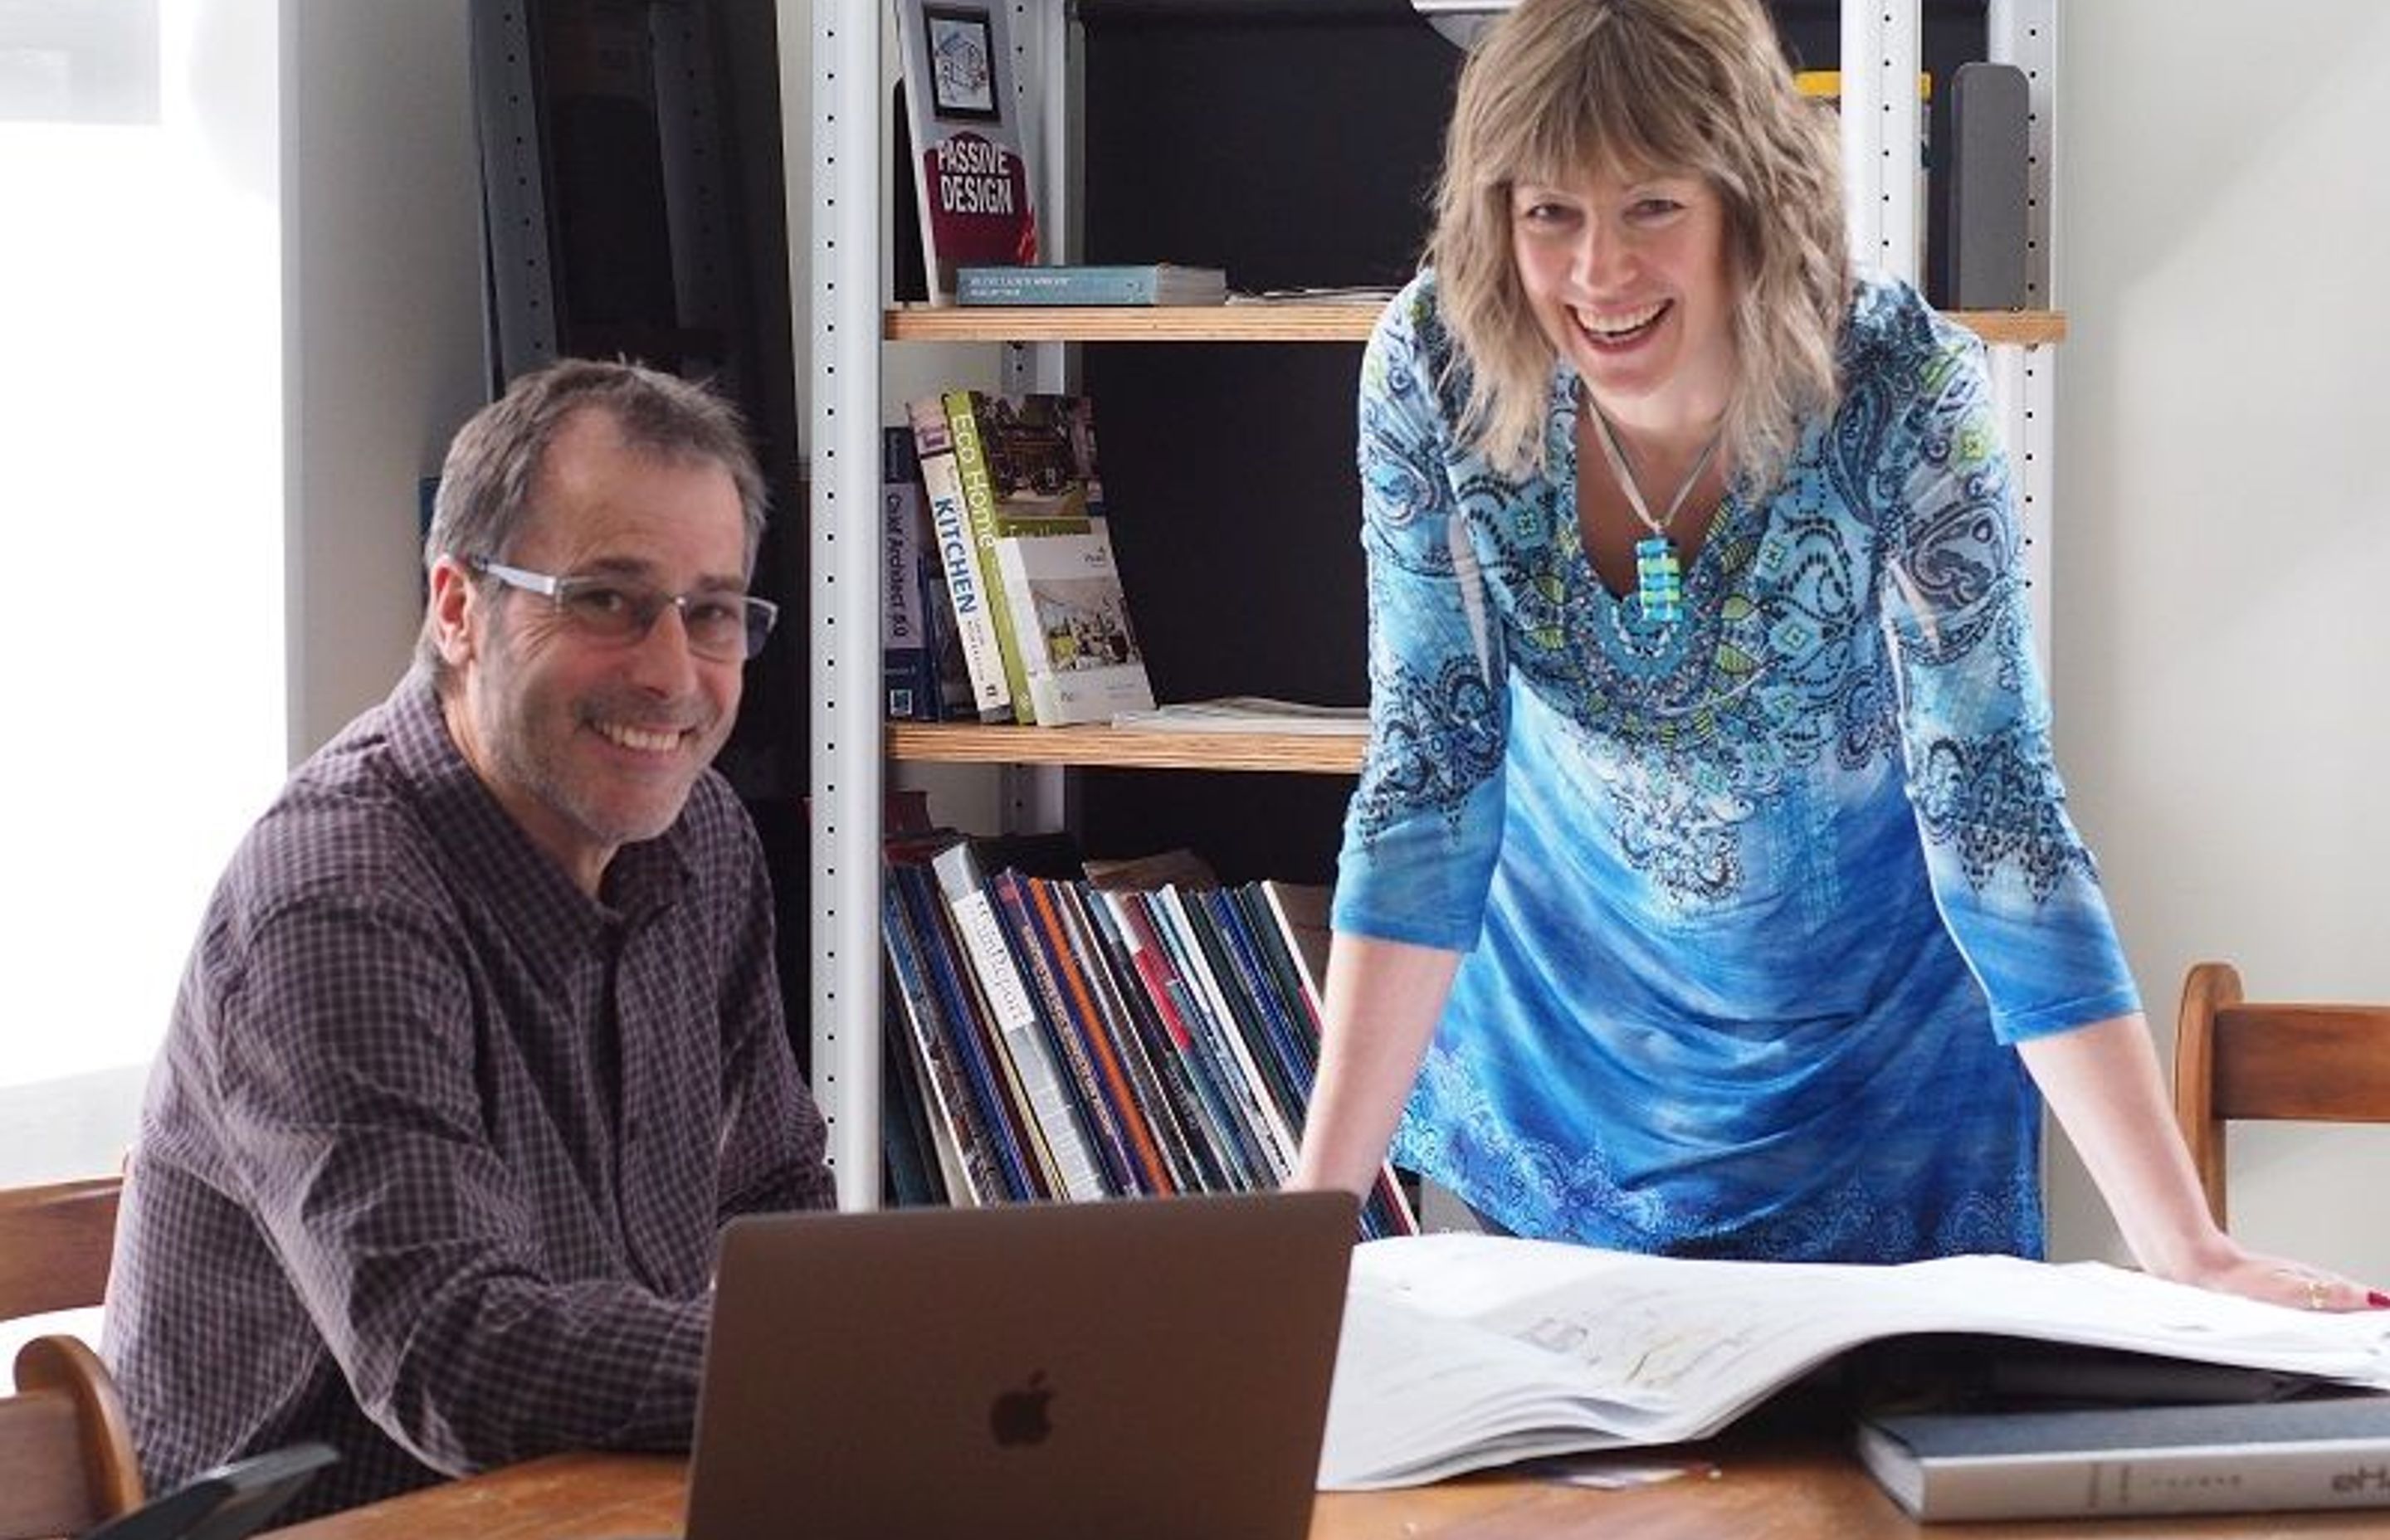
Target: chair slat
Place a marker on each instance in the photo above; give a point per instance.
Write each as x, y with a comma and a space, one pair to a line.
56, 1243
2307, 1062
43, 1490
2237, 1060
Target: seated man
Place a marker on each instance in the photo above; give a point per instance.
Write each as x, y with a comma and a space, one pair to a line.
480, 1041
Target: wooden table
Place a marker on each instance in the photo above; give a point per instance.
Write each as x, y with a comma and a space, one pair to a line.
1779, 1489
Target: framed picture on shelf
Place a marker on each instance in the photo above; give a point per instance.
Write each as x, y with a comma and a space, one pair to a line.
963, 61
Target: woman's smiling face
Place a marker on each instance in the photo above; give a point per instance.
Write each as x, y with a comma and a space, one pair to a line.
1627, 275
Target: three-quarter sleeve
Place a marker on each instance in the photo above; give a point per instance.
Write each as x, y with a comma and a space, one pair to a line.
1421, 832
2016, 886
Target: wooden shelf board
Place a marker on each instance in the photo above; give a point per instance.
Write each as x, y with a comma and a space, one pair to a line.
1270, 323
1108, 748
2028, 328
1261, 323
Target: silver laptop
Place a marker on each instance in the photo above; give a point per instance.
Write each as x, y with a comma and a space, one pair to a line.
1148, 1369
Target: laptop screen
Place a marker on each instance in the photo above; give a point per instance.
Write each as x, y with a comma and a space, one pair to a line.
1149, 1367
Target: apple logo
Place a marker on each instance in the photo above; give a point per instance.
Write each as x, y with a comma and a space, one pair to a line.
1019, 1416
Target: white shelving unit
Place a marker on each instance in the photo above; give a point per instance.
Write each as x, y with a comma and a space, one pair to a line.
846, 776
849, 324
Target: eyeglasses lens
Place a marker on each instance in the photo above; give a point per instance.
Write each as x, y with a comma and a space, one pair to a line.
728, 626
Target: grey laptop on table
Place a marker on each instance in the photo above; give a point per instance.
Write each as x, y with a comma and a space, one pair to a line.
1145, 1369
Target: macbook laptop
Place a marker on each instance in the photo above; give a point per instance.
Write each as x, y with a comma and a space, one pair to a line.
1152, 1368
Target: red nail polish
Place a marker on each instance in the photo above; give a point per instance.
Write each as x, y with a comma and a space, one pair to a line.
2377, 1300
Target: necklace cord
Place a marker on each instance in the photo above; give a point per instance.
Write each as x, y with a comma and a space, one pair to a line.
1625, 473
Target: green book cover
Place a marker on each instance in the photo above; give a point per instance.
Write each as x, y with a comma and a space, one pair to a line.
1027, 466
978, 508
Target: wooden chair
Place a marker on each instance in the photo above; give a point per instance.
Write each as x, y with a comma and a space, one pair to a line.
65, 1451
54, 1245
2236, 1059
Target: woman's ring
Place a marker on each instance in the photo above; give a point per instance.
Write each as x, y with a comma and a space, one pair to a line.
2315, 1293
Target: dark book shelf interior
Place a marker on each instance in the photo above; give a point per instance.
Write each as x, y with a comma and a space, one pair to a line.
1293, 145
634, 206
1301, 145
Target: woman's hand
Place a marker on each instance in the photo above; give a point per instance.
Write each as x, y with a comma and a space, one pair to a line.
2102, 1082
2277, 1281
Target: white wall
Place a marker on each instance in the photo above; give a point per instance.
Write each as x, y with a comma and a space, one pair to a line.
2223, 534
365, 136
141, 421
383, 284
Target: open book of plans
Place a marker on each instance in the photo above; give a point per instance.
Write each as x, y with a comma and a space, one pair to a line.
1461, 1351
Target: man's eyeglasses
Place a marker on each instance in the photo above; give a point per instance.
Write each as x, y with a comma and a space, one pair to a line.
720, 624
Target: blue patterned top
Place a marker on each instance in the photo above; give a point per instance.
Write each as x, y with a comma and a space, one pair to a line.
1755, 901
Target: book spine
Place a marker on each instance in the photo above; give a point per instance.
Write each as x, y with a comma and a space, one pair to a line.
1294, 916
1041, 1177
1252, 1100
1071, 1035
1074, 964
1015, 1015
911, 1151
949, 672
1297, 1034
979, 512
2217, 1479
1058, 286
957, 558
1138, 1037
1267, 1037
966, 1025
1240, 1011
1224, 1133
1044, 1178
964, 1154
907, 669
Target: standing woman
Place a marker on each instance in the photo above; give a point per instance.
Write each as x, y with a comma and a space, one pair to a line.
1709, 889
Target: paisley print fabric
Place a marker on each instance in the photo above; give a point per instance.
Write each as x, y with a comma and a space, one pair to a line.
1755, 901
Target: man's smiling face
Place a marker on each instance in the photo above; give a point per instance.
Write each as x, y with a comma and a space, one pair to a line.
592, 743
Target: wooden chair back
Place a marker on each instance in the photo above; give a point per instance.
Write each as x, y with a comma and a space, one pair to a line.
54, 1245
2236, 1059
65, 1451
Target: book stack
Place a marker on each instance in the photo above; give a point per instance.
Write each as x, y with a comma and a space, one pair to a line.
1015, 547
2316, 1452
1050, 1038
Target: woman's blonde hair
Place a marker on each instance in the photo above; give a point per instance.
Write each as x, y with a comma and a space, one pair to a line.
1699, 87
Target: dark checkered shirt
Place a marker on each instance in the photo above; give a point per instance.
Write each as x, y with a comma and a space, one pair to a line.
436, 1152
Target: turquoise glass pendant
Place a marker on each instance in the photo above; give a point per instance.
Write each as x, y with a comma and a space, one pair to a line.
1659, 580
